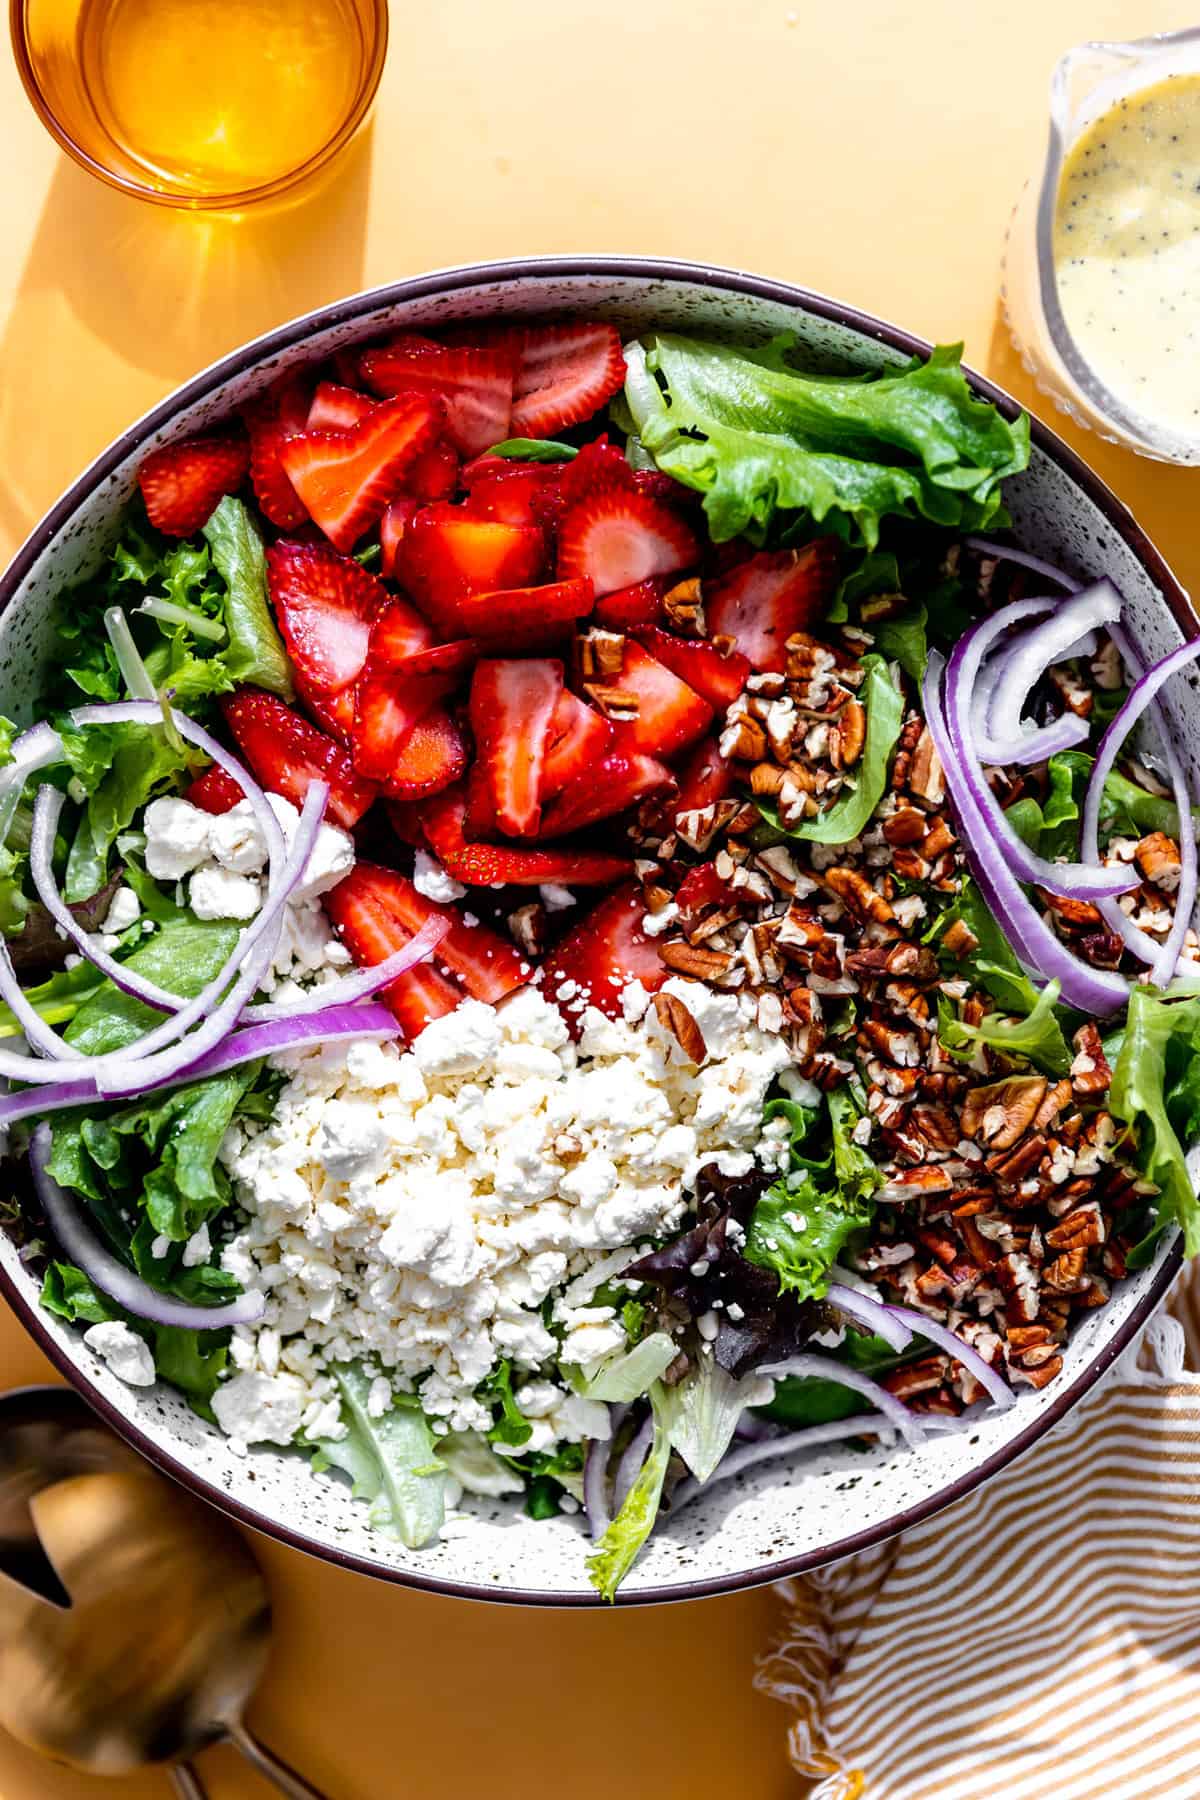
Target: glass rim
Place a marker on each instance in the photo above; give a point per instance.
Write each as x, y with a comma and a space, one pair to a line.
226, 202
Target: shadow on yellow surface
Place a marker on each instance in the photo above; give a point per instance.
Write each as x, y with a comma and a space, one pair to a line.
139, 298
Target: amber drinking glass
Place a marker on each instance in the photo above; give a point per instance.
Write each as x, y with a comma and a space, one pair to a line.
201, 103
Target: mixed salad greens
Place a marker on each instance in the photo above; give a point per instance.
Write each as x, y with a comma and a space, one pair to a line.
940, 871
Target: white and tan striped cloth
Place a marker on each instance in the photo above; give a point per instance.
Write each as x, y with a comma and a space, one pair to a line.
1041, 1637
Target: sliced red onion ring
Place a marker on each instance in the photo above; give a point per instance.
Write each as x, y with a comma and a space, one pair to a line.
1143, 695
329, 1026
47, 809
630, 1465
1091, 990
1068, 631
361, 984
866, 1309
144, 1064
948, 1340
1006, 553
734, 1462
84, 1249
35, 749
595, 1486
824, 1368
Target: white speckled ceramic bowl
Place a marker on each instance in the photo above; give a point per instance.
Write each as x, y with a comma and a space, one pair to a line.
778, 1519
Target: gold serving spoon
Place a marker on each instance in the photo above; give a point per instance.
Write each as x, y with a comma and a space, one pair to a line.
134, 1622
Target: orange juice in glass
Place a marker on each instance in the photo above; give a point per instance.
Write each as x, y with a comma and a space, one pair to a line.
201, 103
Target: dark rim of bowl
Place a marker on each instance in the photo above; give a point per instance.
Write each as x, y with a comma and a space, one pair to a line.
460, 281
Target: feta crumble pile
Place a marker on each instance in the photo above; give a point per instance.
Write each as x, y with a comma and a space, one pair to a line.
438, 1209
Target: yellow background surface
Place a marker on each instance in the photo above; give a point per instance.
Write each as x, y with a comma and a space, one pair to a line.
871, 150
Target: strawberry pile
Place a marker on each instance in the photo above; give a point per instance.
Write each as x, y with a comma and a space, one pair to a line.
531, 667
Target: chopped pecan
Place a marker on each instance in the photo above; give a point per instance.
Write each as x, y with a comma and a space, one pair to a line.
1157, 856
1056, 1099
959, 939
601, 654
699, 825
528, 928
905, 826
855, 892
939, 839
694, 960
900, 1047
847, 737
909, 866
921, 1183
767, 778
925, 777
1010, 1167
614, 702
1065, 1275
916, 1377
684, 608
1090, 1073
1079, 915
1003, 1111
675, 1017
1078, 1229
744, 740
902, 761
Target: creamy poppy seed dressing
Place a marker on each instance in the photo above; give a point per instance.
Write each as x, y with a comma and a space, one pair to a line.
1127, 250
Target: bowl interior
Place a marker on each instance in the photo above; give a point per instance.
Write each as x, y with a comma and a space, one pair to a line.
774, 1519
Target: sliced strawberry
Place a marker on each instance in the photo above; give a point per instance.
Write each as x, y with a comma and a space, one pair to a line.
579, 738
606, 950
388, 706
486, 964
337, 408
434, 756
215, 791
620, 780
619, 539
434, 475
324, 604
564, 374
291, 398
705, 778
525, 616
347, 478
717, 678
599, 465
372, 933
405, 816
442, 659
512, 492
286, 753
761, 602
670, 715
271, 420
398, 632
633, 606
392, 526
512, 704
445, 554
479, 818
476, 386
479, 865
182, 483
334, 713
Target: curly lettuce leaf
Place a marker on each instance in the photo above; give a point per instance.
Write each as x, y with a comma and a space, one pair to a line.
255, 653
758, 437
992, 964
617, 1551
120, 768
1154, 1092
511, 1428
390, 1460
1038, 1036
851, 812
802, 1224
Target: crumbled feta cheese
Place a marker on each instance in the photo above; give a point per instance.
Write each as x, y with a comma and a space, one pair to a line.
555, 897
237, 841
430, 879
126, 1354
654, 924
160, 1247
198, 1248
260, 1409
176, 838
124, 910
217, 893
332, 855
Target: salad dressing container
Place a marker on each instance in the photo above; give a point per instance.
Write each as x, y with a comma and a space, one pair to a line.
1101, 281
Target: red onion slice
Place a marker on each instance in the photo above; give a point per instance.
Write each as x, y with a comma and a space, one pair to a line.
1068, 632
824, 1368
595, 1486
129, 1291
630, 1466
746, 1456
948, 1340
361, 984
1006, 553
47, 809
329, 1026
1091, 990
865, 1309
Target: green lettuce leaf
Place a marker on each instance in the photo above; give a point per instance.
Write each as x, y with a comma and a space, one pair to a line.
1038, 1035
992, 965
1154, 1093
535, 450
617, 1550
473, 1463
120, 768
851, 812
192, 1361
256, 653
756, 436
182, 957
511, 1427
701, 1413
628, 1374
802, 1223
390, 1460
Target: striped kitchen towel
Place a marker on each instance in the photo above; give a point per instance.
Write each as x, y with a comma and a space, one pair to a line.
1041, 1636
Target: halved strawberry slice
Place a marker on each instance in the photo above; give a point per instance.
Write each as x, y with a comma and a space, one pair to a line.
392, 526
717, 678
286, 753
620, 780
405, 817
182, 483
215, 791
434, 475
476, 386
606, 950
271, 420
527, 616
337, 408
486, 964
345, 479
564, 374
479, 817
434, 756
761, 602
479, 865
633, 606
446, 553
324, 604
579, 738
619, 538
511, 492
398, 632
372, 933
388, 706
334, 713
705, 778
670, 715
599, 465
442, 659
512, 704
